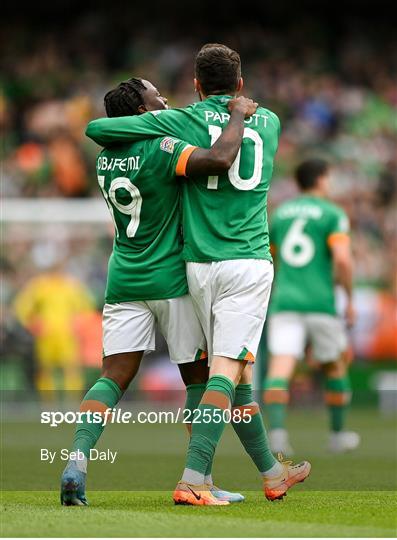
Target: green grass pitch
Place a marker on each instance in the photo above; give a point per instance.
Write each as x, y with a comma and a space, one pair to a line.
151, 514
346, 496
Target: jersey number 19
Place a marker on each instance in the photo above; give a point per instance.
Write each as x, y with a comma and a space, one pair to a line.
132, 209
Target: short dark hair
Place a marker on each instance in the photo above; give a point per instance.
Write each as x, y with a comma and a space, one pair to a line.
218, 69
308, 172
125, 99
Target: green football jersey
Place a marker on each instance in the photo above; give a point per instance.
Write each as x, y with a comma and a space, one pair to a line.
301, 231
139, 186
224, 217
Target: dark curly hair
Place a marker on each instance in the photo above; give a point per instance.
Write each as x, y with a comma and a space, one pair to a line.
125, 99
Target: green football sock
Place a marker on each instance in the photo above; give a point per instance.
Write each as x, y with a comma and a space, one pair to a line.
194, 393
218, 396
252, 434
276, 398
103, 395
337, 398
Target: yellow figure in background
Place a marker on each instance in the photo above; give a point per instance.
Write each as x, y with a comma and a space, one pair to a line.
48, 307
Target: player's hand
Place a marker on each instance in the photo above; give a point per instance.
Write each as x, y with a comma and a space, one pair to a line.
243, 104
350, 315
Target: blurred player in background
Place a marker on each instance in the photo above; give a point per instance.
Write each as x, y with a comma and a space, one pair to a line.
229, 266
49, 306
146, 277
310, 237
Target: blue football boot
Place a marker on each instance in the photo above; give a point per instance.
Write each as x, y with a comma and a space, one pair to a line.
73, 486
223, 495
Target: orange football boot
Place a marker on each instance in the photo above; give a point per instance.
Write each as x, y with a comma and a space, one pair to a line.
277, 487
195, 495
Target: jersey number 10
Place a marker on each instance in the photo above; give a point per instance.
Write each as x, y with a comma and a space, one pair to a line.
233, 173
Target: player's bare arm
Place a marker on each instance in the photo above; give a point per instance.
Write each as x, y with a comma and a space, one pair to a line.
343, 267
219, 158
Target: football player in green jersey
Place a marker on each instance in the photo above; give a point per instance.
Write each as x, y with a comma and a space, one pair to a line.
146, 275
229, 266
311, 243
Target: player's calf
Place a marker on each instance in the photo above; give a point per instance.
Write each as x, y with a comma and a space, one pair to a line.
337, 398
276, 398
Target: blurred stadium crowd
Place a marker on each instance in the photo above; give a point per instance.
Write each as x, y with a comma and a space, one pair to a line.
339, 102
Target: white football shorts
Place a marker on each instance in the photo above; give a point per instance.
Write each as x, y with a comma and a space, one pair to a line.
231, 299
130, 326
289, 332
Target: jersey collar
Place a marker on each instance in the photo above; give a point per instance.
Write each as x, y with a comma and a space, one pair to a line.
223, 98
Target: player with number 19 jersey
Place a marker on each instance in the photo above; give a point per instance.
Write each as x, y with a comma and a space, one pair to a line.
302, 229
224, 217
139, 186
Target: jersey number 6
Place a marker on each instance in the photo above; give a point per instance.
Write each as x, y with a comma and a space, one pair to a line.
297, 248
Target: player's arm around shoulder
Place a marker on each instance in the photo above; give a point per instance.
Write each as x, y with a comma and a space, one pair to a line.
219, 158
124, 129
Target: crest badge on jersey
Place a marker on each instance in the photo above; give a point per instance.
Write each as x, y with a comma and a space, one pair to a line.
168, 145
